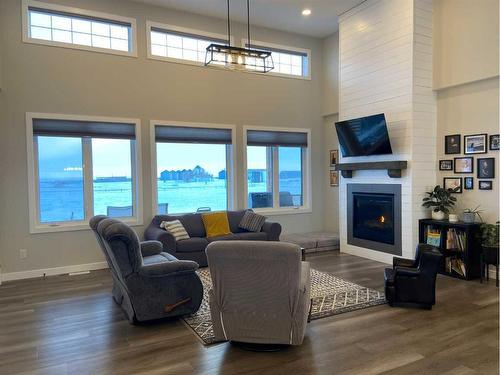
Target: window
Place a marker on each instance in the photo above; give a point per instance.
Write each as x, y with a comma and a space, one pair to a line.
80, 168
193, 168
179, 44
277, 163
58, 25
287, 61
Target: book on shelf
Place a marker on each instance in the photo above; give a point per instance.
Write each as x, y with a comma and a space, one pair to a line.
455, 240
433, 237
458, 266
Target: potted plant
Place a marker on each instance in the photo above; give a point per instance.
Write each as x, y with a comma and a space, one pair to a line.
440, 200
490, 234
469, 215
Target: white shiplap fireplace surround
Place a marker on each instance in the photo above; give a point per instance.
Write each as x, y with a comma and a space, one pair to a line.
386, 67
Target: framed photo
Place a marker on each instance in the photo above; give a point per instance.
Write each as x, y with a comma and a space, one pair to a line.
495, 142
464, 164
452, 144
446, 165
453, 183
468, 183
334, 178
485, 185
486, 168
475, 144
334, 157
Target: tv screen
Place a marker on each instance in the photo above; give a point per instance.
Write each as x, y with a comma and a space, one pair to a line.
364, 136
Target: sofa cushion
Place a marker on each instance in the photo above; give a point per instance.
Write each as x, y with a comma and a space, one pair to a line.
216, 224
252, 236
192, 245
158, 258
252, 222
226, 237
234, 218
191, 222
299, 239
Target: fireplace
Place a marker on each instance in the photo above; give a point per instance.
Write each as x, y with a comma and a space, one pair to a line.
374, 217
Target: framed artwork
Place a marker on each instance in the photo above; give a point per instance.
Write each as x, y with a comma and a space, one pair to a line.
453, 183
468, 183
446, 165
475, 144
485, 185
486, 168
334, 157
464, 164
495, 142
334, 178
452, 144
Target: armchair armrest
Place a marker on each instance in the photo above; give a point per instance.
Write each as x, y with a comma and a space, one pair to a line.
151, 247
154, 233
168, 268
407, 271
402, 262
273, 230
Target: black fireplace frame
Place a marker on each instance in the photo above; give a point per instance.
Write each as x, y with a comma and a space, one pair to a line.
393, 189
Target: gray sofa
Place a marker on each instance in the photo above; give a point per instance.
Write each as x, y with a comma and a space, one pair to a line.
194, 248
148, 283
261, 292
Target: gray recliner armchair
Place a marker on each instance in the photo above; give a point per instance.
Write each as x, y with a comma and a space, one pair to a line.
261, 292
148, 283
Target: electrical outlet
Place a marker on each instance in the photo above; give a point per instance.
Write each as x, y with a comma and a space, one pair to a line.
23, 253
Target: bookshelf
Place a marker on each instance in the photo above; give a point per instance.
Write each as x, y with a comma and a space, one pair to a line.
458, 242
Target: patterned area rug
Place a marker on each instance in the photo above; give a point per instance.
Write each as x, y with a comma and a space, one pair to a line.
330, 295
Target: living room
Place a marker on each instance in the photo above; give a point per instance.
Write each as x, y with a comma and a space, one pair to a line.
155, 125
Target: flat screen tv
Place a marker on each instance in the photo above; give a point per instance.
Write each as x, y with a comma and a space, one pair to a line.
364, 136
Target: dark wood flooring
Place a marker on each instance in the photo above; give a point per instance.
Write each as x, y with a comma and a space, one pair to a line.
70, 325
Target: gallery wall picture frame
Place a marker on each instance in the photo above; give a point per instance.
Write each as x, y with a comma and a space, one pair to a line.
452, 144
334, 178
334, 158
475, 144
446, 165
494, 142
468, 183
453, 183
485, 185
486, 168
463, 164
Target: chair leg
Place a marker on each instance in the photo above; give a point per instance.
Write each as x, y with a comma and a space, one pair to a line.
487, 272
481, 268
497, 275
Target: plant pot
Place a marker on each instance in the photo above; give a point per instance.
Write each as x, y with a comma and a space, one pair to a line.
469, 217
438, 215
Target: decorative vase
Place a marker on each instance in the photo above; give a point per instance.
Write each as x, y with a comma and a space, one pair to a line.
438, 215
469, 217
453, 218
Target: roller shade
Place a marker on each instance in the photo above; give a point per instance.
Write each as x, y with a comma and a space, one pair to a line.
276, 138
94, 129
185, 134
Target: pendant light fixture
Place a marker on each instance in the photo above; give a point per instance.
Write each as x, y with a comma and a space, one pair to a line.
241, 58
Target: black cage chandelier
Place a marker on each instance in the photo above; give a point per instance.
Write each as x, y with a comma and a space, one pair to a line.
239, 57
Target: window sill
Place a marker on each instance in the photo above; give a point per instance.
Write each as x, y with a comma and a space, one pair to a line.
282, 211
76, 226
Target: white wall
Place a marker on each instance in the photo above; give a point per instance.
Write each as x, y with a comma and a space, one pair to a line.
58, 80
330, 77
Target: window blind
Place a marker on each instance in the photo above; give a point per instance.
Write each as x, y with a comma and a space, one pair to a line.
71, 128
184, 134
276, 138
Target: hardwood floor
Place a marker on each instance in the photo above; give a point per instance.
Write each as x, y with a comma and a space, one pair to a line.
70, 325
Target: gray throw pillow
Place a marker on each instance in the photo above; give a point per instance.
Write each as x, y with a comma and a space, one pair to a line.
252, 222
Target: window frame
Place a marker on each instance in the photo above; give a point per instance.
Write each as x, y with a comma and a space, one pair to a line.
193, 32
82, 13
290, 49
306, 174
230, 160
33, 179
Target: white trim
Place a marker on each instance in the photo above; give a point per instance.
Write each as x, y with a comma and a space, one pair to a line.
230, 168
166, 28
306, 172
285, 49
26, 4
53, 271
35, 226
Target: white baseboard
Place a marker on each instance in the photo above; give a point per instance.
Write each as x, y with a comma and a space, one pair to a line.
52, 271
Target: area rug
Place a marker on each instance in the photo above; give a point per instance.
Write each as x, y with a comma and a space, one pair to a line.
330, 295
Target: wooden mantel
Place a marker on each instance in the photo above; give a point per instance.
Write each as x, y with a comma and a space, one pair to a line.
393, 168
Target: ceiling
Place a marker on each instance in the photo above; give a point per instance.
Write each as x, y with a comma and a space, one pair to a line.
283, 15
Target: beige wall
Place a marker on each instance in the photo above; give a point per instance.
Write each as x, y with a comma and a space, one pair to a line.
330, 78
58, 80
331, 202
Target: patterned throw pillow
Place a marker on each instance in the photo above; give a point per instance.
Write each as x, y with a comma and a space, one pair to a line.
252, 222
176, 229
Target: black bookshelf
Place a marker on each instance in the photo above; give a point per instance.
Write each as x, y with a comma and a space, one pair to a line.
471, 253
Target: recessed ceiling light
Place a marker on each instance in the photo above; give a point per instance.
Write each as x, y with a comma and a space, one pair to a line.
306, 12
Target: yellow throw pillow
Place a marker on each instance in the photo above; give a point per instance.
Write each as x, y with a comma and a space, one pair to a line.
216, 224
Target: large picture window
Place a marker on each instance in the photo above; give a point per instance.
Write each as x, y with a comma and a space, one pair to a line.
193, 169
81, 168
276, 169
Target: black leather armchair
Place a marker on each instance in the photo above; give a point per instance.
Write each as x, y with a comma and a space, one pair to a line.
413, 283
